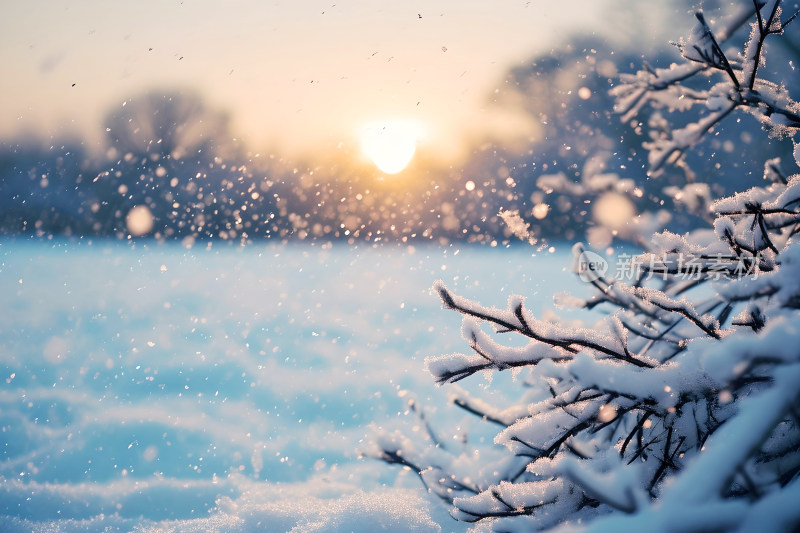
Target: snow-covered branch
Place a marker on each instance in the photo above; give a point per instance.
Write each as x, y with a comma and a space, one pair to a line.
740, 87
679, 410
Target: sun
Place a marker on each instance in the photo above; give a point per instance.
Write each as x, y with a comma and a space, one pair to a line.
390, 144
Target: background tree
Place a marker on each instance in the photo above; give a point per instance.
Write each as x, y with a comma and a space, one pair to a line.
160, 145
171, 153
680, 410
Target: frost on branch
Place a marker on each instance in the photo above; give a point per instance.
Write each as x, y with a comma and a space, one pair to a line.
680, 410
733, 85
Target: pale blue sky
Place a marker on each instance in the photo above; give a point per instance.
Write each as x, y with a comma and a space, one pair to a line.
296, 76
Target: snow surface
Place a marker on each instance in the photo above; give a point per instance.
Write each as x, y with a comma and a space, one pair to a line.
152, 388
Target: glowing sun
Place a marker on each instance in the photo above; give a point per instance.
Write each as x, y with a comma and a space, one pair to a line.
390, 145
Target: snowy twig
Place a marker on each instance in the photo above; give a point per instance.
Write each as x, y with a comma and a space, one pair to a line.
679, 411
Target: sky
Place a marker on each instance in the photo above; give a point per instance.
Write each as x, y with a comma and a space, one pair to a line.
295, 77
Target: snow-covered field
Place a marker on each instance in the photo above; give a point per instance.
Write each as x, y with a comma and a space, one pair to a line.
150, 387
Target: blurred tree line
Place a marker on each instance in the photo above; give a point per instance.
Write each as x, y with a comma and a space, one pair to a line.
171, 153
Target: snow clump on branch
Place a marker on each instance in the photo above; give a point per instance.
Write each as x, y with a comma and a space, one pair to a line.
681, 410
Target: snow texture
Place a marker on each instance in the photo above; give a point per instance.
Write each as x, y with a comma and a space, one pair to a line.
154, 388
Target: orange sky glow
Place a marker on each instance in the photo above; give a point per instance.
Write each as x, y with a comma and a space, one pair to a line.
296, 78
